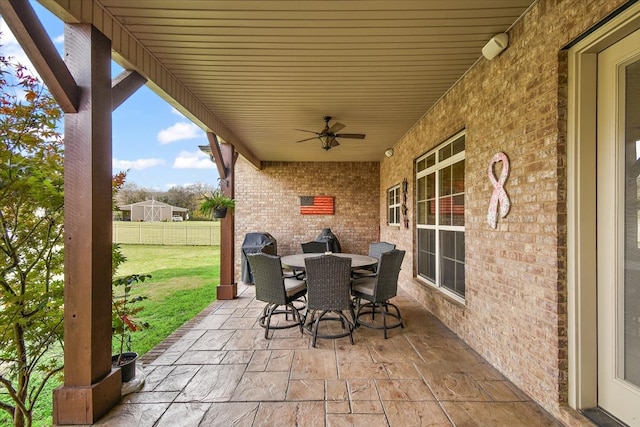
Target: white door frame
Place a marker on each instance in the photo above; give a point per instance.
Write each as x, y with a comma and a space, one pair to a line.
581, 205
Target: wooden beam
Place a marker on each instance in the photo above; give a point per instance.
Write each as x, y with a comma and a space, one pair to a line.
216, 154
28, 30
227, 289
125, 85
91, 387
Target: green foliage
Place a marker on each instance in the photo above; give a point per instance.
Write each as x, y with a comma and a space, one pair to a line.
125, 308
216, 200
184, 196
31, 239
124, 305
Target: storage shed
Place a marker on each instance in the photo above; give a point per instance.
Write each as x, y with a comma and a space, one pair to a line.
150, 211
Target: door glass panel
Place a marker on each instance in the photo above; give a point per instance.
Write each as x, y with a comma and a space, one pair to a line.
630, 295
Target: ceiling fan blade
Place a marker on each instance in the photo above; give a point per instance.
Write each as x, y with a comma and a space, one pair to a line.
333, 143
309, 131
351, 135
308, 139
336, 127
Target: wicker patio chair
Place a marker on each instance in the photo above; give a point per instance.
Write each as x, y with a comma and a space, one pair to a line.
378, 290
375, 250
314, 247
328, 293
277, 291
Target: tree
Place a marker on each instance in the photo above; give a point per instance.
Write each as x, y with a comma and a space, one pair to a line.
182, 197
187, 197
130, 192
31, 240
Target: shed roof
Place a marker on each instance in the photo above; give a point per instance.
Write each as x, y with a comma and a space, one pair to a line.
151, 203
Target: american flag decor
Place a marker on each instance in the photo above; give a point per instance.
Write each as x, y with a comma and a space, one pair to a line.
316, 205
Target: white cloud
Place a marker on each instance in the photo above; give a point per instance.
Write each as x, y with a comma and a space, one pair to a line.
193, 160
59, 39
170, 185
179, 131
137, 164
11, 48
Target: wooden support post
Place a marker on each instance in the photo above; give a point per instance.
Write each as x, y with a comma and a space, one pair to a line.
90, 387
228, 288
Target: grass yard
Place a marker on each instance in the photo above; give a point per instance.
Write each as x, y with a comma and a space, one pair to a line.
183, 283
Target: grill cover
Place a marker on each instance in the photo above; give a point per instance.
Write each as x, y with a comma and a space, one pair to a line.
327, 236
254, 243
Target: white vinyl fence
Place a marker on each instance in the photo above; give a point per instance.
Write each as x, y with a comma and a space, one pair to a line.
196, 233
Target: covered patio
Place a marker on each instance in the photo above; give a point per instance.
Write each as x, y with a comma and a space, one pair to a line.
219, 370
258, 77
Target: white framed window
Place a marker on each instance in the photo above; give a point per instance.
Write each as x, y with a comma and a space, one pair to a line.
393, 205
440, 216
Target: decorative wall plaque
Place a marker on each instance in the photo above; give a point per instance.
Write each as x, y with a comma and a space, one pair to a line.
316, 205
499, 195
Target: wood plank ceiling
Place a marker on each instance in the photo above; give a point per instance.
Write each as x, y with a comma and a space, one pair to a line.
265, 68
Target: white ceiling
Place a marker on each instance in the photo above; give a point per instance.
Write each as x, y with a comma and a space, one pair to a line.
265, 68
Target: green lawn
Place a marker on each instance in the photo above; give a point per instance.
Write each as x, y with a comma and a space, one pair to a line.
183, 283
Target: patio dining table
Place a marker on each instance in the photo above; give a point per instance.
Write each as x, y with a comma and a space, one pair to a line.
357, 261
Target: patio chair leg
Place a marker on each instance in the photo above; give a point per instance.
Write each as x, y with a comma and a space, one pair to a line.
353, 317
350, 326
268, 322
384, 320
356, 313
398, 316
342, 320
296, 315
315, 329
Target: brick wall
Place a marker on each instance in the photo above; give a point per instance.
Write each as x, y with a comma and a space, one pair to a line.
268, 201
515, 309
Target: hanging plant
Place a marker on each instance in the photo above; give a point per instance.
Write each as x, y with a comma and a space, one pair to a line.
217, 204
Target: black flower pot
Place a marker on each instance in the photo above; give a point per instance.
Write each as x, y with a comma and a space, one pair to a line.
220, 212
127, 365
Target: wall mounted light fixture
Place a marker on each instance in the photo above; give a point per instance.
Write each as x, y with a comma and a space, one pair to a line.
389, 152
495, 46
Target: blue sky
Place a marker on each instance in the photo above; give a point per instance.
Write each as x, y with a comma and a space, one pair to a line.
157, 144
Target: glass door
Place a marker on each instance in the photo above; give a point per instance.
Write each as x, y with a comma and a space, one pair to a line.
618, 212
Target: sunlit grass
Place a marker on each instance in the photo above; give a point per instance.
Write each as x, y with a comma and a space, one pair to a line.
183, 283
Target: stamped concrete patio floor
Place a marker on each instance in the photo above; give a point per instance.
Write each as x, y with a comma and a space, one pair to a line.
221, 371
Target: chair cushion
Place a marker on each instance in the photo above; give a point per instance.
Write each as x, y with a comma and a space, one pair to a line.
364, 285
293, 286
356, 274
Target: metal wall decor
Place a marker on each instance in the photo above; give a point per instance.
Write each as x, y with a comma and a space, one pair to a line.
405, 216
499, 195
316, 205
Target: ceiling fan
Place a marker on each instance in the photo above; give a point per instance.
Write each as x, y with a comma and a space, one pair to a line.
329, 134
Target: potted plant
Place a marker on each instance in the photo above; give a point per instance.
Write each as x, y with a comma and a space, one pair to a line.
217, 204
125, 306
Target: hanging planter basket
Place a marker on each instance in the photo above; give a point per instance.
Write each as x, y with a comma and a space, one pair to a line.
220, 212
217, 204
